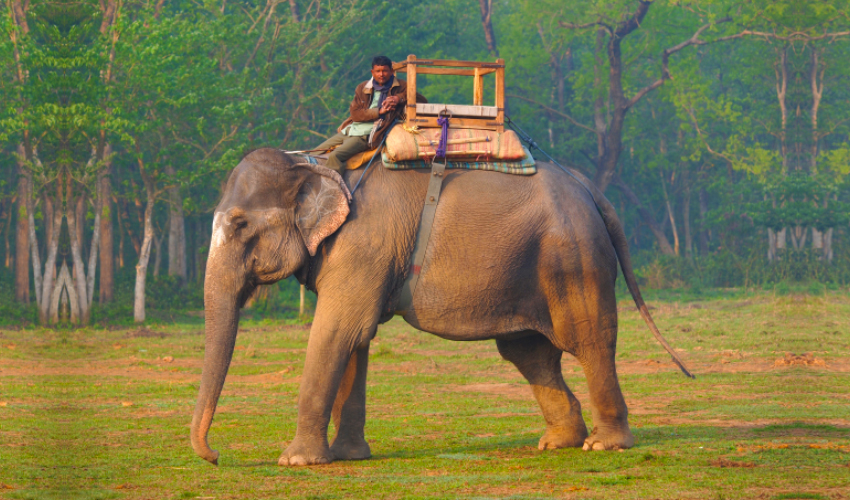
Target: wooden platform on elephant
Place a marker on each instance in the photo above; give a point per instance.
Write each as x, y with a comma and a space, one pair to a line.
475, 116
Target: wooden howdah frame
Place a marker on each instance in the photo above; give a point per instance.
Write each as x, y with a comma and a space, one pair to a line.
476, 116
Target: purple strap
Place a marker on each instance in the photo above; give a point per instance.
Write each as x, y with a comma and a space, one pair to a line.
443, 121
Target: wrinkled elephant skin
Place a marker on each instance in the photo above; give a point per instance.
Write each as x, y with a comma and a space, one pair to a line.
526, 260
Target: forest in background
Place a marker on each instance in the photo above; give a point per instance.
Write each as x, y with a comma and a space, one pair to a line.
718, 129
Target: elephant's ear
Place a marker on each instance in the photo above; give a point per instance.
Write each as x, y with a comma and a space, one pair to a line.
321, 206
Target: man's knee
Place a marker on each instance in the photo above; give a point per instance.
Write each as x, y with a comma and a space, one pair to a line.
333, 141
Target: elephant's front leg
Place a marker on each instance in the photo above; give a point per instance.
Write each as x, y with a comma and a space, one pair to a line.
332, 343
349, 410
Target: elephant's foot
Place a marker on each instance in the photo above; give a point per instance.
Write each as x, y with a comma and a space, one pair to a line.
350, 449
562, 437
300, 454
609, 439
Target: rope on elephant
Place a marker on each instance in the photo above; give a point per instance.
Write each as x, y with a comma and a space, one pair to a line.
443, 122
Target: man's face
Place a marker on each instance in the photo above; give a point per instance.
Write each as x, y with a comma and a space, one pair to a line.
382, 74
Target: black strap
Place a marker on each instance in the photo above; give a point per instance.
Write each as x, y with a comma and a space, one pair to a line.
423, 235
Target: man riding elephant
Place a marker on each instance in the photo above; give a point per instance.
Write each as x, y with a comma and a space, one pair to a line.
376, 103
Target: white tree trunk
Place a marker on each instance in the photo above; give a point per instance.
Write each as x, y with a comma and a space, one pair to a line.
145, 250
50, 263
141, 272
817, 241
77, 256
36, 260
827, 245
95, 245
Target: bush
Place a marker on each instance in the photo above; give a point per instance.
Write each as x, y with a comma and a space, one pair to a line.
726, 269
14, 313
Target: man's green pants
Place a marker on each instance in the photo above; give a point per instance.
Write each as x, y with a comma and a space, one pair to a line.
346, 147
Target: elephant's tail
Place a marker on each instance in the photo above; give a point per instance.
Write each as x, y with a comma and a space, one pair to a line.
618, 239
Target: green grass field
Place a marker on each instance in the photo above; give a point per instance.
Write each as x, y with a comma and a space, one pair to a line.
94, 413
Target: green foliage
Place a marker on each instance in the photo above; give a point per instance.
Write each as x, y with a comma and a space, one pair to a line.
803, 270
179, 90
166, 293
801, 200
13, 313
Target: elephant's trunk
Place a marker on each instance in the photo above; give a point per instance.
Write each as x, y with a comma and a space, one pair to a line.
222, 321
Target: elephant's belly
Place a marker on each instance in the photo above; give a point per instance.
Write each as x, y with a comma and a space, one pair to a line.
513, 287
472, 310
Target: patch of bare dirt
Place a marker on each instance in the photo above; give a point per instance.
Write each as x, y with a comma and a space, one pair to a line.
805, 359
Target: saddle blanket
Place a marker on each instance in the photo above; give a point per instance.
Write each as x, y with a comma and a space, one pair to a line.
526, 166
467, 144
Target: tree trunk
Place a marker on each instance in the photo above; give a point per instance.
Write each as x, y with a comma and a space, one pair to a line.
33, 242
157, 261
293, 9
119, 217
190, 250
22, 272
203, 242
670, 214
7, 223
176, 233
657, 231
703, 233
686, 217
490, 37
80, 208
107, 261
145, 251
827, 245
816, 80
771, 245
76, 248
128, 227
55, 226
94, 246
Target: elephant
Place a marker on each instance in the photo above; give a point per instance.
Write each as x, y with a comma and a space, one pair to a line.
528, 261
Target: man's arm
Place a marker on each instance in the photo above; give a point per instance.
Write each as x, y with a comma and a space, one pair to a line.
359, 109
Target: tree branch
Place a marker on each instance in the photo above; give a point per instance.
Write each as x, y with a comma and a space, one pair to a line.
665, 60
633, 23
555, 111
574, 26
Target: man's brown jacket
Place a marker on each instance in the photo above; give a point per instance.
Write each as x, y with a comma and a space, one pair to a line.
359, 110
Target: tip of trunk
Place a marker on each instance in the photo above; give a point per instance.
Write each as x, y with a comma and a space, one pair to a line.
203, 450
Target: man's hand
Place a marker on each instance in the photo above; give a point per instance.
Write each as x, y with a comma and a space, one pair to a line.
389, 104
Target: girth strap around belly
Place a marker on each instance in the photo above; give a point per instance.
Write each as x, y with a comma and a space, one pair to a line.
423, 235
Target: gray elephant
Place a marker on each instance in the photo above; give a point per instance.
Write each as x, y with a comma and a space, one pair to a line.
529, 261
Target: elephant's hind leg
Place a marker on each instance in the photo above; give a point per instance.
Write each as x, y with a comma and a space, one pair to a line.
610, 415
540, 363
349, 410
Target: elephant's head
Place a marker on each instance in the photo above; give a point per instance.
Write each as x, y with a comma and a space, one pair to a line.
272, 217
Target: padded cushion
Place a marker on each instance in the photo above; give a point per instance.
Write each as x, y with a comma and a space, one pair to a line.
479, 145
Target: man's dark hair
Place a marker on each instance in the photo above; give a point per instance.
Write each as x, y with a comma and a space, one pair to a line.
382, 61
